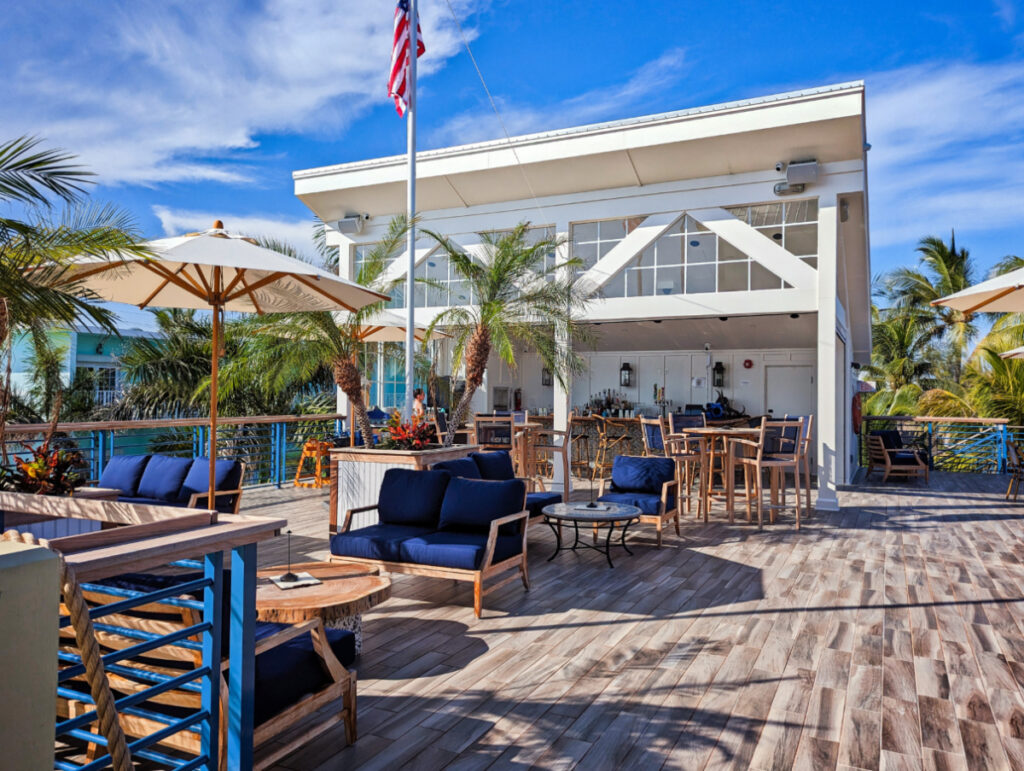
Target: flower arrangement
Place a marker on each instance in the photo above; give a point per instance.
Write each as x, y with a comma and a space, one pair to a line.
417, 435
45, 471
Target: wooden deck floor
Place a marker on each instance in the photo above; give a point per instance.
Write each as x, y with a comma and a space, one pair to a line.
887, 635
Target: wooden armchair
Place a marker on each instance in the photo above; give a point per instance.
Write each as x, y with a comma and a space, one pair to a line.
894, 461
658, 499
297, 723
1014, 467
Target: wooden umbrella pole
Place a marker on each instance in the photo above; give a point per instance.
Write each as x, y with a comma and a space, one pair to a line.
214, 361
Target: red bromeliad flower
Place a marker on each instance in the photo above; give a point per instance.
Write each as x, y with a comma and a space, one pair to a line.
417, 435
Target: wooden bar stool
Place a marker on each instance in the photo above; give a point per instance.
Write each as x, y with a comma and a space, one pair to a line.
318, 452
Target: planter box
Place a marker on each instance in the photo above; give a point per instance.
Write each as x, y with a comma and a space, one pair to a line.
357, 473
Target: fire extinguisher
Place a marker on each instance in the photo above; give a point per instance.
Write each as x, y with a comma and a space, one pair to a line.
517, 399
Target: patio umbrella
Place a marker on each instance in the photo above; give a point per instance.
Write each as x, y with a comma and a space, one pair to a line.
389, 327
218, 271
1002, 294
1016, 353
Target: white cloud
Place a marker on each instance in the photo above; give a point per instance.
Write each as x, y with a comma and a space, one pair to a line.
947, 149
1006, 12
158, 92
296, 232
598, 104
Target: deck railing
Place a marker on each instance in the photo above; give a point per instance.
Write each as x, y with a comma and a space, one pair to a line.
270, 445
975, 445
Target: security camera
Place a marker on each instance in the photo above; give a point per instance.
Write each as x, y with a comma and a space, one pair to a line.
707, 347
780, 166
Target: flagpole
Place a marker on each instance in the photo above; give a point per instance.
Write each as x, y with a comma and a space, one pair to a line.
410, 295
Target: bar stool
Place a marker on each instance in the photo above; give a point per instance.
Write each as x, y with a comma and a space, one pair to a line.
776, 451
607, 442
316, 451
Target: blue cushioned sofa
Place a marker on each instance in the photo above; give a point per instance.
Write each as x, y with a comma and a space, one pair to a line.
163, 480
649, 483
434, 524
497, 465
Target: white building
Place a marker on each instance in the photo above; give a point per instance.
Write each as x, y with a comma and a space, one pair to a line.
689, 239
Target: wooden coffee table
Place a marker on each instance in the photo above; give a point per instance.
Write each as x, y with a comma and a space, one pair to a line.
346, 592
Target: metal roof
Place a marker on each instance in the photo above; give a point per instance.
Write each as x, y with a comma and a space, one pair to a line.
593, 128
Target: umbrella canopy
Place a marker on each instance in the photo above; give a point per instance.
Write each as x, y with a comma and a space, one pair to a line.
201, 270
1002, 294
215, 270
389, 327
1016, 353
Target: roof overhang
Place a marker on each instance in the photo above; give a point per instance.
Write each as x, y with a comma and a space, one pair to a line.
746, 136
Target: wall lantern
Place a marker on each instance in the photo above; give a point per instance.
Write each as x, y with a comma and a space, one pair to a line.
718, 375
626, 375
545, 376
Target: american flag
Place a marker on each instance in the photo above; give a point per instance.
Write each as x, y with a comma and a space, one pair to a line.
398, 80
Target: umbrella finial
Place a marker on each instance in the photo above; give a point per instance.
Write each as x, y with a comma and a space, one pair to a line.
218, 225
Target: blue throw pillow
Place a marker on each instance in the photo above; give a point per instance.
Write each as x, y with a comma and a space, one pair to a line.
409, 497
631, 473
460, 467
227, 476
494, 465
163, 477
123, 473
471, 504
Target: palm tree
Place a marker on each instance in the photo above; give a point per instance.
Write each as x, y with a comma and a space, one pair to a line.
903, 353
517, 300
293, 347
35, 293
169, 375
941, 271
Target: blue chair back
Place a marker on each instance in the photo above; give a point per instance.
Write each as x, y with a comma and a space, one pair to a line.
654, 437
678, 422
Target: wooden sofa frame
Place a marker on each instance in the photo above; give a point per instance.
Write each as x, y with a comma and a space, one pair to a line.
880, 457
342, 685
487, 570
663, 515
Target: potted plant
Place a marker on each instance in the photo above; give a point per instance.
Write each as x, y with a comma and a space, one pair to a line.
360, 470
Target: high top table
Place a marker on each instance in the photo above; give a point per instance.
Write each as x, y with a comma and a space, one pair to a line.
719, 449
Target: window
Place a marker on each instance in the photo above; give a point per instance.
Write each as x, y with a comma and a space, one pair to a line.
449, 288
793, 225
107, 383
593, 240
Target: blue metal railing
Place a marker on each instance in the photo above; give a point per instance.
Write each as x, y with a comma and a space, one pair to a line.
977, 446
270, 446
203, 721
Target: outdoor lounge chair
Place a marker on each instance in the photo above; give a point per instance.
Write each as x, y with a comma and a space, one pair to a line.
650, 484
1014, 467
163, 480
436, 525
894, 461
296, 679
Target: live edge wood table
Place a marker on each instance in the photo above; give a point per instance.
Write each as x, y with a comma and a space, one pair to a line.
346, 592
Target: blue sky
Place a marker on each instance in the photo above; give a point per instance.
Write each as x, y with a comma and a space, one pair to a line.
194, 111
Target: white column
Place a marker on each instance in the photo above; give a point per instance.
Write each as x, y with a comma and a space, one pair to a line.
562, 392
829, 423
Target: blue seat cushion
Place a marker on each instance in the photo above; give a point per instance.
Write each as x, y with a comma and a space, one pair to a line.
147, 501
123, 473
494, 465
377, 542
648, 503
287, 672
905, 458
163, 477
535, 502
459, 467
409, 497
471, 504
461, 550
633, 474
227, 476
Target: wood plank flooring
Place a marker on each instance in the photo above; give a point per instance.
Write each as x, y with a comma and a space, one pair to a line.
889, 634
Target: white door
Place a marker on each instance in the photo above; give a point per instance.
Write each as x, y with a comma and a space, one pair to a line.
789, 390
